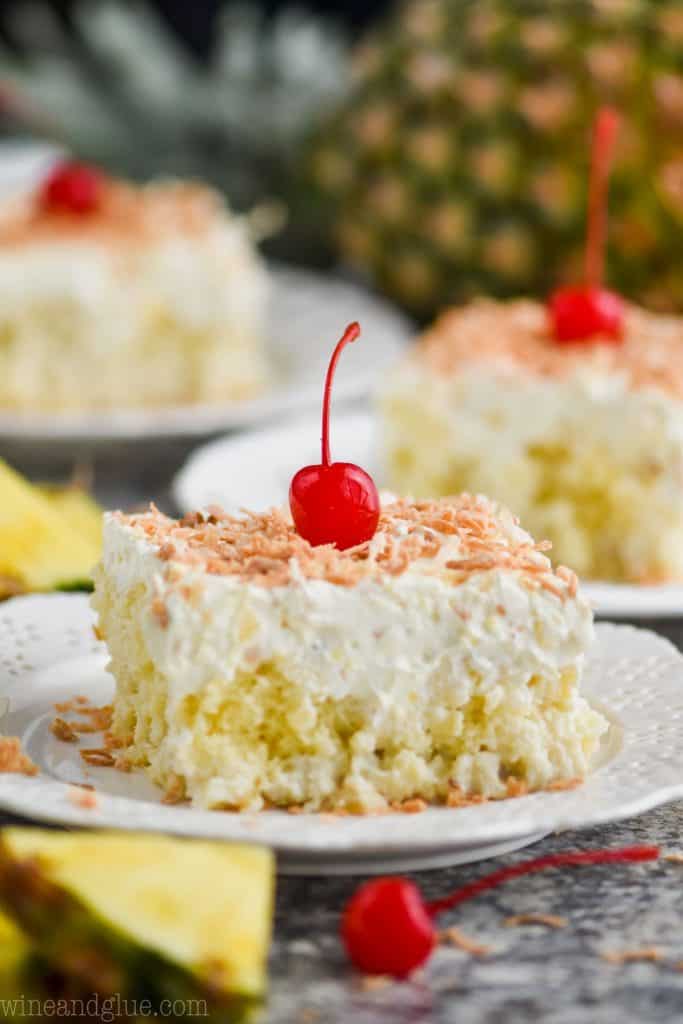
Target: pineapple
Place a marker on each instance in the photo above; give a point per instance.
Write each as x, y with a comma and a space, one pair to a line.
84, 514
458, 163
143, 917
14, 955
47, 540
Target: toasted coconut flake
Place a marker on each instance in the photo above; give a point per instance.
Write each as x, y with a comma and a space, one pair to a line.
98, 758
454, 937
516, 787
85, 799
457, 798
265, 549
160, 612
175, 791
547, 920
127, 215
13, 761
374, 982
413, 806
631, 956
63, 731
514, 335
559, 785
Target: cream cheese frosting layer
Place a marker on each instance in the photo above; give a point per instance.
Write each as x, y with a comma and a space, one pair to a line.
393, 684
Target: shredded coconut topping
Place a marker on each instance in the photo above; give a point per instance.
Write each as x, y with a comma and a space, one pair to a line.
13, 760
126, 213
266, 549
515, 336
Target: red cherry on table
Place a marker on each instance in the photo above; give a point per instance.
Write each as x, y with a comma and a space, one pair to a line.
334, 502
387, 929
72, 187
580, 314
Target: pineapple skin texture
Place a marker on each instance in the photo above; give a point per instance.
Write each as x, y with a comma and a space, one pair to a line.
170, 919
458, 164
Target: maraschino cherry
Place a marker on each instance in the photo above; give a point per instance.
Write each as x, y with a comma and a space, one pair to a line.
583, 312
388, 928
72, 187
334, 502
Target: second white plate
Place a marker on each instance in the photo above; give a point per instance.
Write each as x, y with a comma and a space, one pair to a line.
253, 471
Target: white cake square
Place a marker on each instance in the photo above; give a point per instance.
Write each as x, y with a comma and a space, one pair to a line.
438, 662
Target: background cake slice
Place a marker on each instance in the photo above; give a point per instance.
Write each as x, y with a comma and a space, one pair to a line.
143, 296
440, 659
584, 442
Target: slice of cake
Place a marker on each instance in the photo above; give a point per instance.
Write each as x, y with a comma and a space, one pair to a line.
114, 295
437, 661
583, 441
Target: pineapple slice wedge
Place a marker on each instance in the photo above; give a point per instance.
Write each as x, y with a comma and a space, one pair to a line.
76, 505
145, 916
42, 546
14, 954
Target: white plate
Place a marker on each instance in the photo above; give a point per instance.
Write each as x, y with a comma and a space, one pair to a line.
48, 653
308, 313
253, 471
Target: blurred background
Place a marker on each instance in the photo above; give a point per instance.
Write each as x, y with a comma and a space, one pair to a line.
426, 151
436, 147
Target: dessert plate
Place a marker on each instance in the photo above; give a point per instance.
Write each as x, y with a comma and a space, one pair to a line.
254, 471
307, 313
48, 654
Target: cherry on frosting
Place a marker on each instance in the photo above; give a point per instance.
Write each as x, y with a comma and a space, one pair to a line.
72, 187
387, 928
334, 502
583, 312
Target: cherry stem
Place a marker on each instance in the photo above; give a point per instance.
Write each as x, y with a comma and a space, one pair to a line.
350, 334
529, 867
604, 138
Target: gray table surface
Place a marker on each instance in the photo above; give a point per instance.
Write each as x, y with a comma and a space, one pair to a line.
532, 973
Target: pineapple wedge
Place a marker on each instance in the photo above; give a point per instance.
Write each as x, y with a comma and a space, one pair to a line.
76, 505
145, 916
42, 546
14, 954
